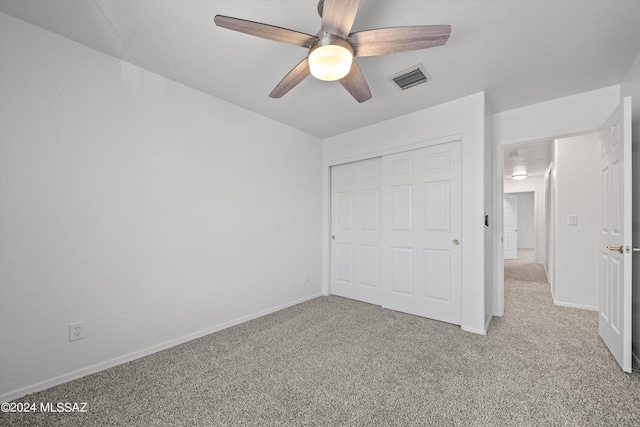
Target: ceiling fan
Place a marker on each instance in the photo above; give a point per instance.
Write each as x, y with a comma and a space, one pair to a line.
332, 50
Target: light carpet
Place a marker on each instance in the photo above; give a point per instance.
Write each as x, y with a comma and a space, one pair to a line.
337, 362
519, 269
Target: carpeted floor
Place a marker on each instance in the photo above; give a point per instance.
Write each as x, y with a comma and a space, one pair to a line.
336, 362
523, 268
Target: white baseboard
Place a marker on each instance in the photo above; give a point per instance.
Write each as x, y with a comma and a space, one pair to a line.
474, 330
486, 325
572, 305
15, 394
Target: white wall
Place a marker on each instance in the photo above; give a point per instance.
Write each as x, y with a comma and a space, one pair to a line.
576, 246
526, 230
631, 87
464, 117
567, 116
526, 219
151, 211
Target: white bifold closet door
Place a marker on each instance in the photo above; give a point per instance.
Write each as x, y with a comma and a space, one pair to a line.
356, 236
415, 265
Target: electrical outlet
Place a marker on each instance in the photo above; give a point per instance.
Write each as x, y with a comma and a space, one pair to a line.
307, 277
76, 331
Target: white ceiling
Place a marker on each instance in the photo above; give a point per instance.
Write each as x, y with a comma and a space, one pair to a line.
531, 158
519, 51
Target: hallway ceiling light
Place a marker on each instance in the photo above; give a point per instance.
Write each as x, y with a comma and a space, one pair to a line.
519, 175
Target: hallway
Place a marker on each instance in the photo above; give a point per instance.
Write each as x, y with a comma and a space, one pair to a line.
523, 268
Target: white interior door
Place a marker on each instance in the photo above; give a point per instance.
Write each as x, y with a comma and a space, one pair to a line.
615, 237
510, 226
356, 235
421, 223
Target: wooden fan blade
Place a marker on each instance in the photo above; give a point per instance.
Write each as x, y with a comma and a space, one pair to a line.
398, 39
265, 31
356, 84
338, 16
291, 80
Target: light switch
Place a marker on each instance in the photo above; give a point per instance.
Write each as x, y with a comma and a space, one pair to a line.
572, 220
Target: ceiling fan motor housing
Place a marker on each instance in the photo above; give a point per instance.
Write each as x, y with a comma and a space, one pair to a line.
331, 40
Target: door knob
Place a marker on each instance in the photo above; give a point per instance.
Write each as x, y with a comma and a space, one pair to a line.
456, 242
616, 248
333, 237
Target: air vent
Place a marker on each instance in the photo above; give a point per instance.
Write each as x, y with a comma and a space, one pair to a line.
411, 77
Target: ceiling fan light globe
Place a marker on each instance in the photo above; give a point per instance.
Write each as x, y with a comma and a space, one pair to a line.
330, 62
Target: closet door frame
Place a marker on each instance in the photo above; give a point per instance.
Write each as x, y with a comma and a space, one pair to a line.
327, 226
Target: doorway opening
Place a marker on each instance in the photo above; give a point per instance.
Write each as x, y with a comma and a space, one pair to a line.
562, 178
525, 167
520, 238
520, 224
